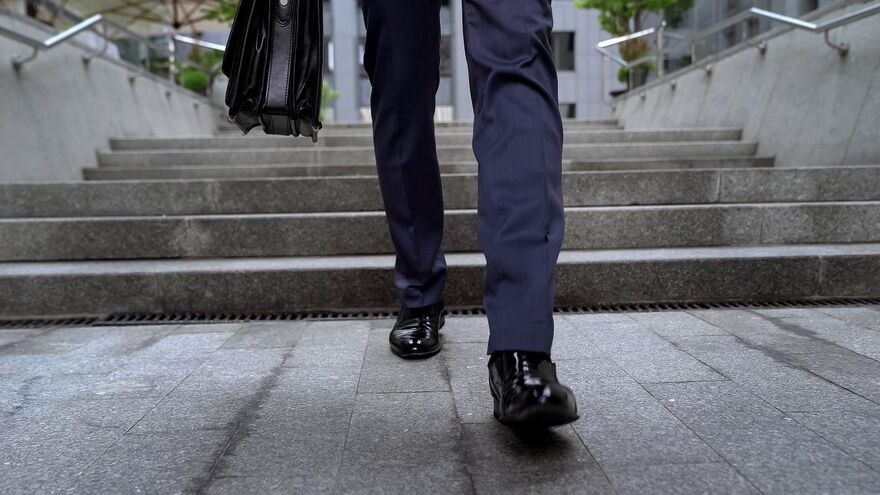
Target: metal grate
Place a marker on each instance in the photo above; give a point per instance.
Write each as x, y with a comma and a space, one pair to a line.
46, 322
119, 319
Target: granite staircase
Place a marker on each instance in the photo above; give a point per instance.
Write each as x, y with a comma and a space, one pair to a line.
230, 223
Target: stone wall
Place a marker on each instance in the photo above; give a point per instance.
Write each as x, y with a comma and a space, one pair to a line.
56, 111
801, 100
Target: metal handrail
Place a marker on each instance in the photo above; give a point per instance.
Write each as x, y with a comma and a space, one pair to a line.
204, 44
18, 61
660, 30
602, 46
87, 24
822, 27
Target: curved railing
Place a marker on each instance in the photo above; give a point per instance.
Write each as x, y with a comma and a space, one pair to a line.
99, 21
604, 47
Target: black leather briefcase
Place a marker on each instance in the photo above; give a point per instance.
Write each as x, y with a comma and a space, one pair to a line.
274, 60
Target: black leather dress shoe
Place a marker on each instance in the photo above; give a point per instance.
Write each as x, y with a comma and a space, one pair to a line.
526, 391
416, 334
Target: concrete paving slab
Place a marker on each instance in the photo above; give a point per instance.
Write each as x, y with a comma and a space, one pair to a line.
811, 477
792, 457
305, 442
829, 330
470, 351
154, 462
712, 477
789, 365
630, 344
269, 485
187, 410
46, 457
267, 334
501, 461
383, 372
856, 433
461, 329
674, 324
112, 386
864, 316
390, 433
322, 407
571, 343
623, 425
10, 337
468, 380
333, 344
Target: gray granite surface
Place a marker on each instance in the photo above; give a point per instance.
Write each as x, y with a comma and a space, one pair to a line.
714, 401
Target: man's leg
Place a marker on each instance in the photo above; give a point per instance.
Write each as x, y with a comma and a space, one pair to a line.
518, 144
402, 61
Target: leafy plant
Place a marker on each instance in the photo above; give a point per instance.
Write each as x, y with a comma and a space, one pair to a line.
194, 79
222, 11
198, 79
328, 95
623, 17
623, 72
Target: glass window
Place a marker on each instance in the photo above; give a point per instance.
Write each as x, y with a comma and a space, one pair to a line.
563, 50
567, 110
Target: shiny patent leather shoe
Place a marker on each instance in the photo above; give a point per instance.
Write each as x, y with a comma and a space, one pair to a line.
416, 333
526, 391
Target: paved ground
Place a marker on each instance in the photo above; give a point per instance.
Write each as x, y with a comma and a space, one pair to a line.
773, 401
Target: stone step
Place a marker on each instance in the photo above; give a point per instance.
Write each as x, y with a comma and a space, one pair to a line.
443, 139
365, 282
227, 126
358, 233
182, 172
364, 155
469, 124
367, 131
345, 193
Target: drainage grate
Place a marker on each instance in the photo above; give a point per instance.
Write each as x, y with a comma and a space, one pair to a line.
119, 319
47, 322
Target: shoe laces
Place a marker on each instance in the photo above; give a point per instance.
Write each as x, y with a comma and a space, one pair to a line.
419, 326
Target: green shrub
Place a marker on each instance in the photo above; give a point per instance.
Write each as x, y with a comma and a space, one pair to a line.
193, 80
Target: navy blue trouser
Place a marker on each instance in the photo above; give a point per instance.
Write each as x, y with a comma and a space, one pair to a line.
517, 142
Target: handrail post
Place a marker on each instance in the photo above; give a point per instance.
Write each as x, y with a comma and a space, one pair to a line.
18, 61
842, 48
661, 71
730, 22
105, 43
172, 56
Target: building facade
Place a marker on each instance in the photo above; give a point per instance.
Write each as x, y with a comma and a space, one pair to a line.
584, 82
586, 78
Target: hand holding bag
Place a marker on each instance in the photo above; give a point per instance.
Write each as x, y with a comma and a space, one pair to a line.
274, 61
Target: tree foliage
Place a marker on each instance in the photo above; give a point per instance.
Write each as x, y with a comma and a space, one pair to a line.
222, 10
621, 17
179, 14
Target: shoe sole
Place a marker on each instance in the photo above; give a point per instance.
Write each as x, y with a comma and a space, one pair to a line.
423, 355
538, 417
